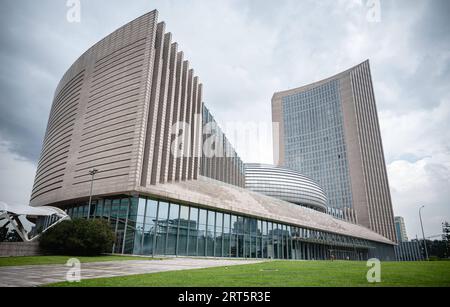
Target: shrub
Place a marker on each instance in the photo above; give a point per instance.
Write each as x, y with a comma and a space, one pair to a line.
78, 237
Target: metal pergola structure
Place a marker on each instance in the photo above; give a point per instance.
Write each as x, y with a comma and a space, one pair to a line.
43, 219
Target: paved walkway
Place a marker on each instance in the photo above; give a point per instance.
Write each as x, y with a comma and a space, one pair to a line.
34, 275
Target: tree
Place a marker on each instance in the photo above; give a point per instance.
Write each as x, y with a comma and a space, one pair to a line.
3, 234
78, 237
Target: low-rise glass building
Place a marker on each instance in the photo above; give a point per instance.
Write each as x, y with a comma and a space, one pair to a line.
146, 226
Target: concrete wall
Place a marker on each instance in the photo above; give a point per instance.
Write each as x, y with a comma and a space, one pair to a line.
12, 249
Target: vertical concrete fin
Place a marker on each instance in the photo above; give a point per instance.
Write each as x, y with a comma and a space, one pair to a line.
163, 104
153, 107
182, 119
166, 148
173, 160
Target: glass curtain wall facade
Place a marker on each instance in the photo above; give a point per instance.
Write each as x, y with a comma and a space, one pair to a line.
226, 166
315, 143
145, 226
329, 131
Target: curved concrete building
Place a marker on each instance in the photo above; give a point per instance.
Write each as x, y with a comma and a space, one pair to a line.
106, 114
329, 131
122, 109
285, 184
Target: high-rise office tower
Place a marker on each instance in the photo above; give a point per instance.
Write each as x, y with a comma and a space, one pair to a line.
329, 131
400, 229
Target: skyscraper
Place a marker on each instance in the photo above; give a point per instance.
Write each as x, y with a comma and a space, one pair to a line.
329, 131
400, 229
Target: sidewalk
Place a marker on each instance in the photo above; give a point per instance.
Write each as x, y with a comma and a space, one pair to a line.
35, 275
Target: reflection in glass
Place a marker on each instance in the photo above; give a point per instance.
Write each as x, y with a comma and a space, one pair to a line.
149, 227
161, 228
193, 232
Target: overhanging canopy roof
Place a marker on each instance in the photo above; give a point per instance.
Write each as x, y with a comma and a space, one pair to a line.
222, 196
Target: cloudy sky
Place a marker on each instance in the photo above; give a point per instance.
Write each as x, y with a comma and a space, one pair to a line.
244, 51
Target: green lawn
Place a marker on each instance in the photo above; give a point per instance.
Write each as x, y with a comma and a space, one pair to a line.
289, 274
33, 260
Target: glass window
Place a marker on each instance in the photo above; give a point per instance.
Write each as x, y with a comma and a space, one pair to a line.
234, 225
183, 226
247, 225
202, 233
141, 207
184, 213
253, 226
202, 217
123, 229
174, 212
193, 232
133, 209
92, 208
211, 218
99, 209
172, 231
141, 211
226, 235
150, 217
247, 237
218, 235
149, 227
226, 221
219, 221
107, 209
81, 210
138, 239
124, 207
201, 240
240, 225
233, 245
75, 212
210, 233
152, 207
161, 232
193, 218
115, 207
163, 211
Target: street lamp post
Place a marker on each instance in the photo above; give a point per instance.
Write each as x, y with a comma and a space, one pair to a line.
423, 233
92, 173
